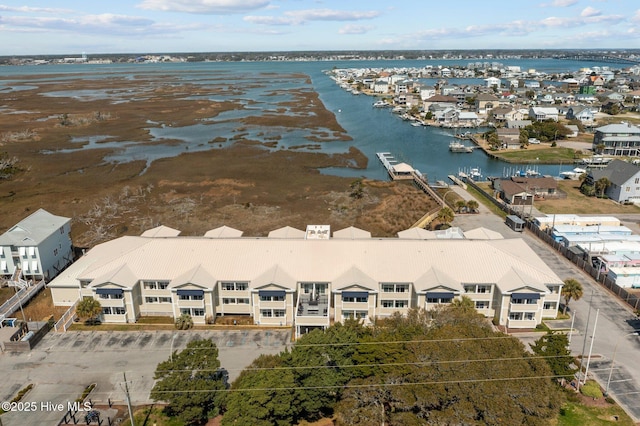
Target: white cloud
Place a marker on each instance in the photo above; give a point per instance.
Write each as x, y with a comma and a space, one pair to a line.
27, 9
563, 3
299, 17
212, 7
554, 21
590, 11
636, 16
355, 29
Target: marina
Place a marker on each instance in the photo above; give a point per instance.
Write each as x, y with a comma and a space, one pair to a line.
459, 147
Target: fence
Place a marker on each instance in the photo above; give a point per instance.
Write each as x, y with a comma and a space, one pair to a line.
67, 319
631, 299
21, 297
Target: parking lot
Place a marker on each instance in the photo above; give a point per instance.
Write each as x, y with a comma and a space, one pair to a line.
63, 365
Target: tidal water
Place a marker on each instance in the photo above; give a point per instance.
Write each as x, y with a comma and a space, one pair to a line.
372, 129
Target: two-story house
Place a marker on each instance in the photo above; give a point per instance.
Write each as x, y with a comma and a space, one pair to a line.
624, 181
621, 139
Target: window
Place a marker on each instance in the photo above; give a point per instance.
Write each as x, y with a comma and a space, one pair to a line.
549, 305
197, 312
524, 301
242, 301
354, 299
361, 314
113, 311
150, 300
388, 288
111, 296
272, 298
85, 283
162, 285
185, 311
482, 304
401, 304
234, 286
529, 316
438, 301
516, 316
228, 301
279, 313
469, 288
266, 313
149, 285
191, 297
165, 300
553, 289
484, 289
387, 303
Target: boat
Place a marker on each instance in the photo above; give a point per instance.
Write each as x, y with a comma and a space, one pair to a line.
475, 173
417, 124
381, 104
573, 174
455, 146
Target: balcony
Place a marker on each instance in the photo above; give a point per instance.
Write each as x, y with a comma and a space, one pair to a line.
319, 307
523, 307
113, 303
521, 323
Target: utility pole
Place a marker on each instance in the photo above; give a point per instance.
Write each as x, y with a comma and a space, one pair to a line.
584, 343
126, 391
593, 337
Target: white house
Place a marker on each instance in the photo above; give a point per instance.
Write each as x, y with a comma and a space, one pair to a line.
624, 181
621, 139
306, 283
493, 82
543, 113
39, 246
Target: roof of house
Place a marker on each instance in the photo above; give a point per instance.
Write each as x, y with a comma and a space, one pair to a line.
351, 233
33, 229
442, 98
160, 232
619, 128
486, 97
223, 232
285, 262
617, 171
287, 232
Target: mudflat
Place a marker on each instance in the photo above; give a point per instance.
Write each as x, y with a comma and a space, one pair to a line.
84, 147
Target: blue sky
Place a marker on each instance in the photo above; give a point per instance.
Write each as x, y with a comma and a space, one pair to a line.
147, 26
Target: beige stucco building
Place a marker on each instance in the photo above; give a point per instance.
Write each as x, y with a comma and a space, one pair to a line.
309, 280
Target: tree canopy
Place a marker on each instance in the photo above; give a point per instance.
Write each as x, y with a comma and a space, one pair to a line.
572, 289
190, 382
554, 347
443, 366
88, 308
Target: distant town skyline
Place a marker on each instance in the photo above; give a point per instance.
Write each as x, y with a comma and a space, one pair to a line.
42, 27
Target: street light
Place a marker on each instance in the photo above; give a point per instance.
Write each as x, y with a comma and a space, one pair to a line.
613, 359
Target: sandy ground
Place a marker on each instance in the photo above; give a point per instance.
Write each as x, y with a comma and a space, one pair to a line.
245, 185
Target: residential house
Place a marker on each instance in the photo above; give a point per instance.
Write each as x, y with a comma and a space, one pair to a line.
621, 139
583, 113
521, 190
308, 283
517, 124
509, 138
485, 103
440, 101
543, 113
493, 82
38, 247
624, 181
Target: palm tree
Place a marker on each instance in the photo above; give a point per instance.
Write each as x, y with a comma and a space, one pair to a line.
572, 289
460, 204
184, 322
465, 303
472, 205
602, 184
445, 215
88, 308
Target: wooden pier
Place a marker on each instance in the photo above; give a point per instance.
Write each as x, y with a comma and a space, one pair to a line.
403, 171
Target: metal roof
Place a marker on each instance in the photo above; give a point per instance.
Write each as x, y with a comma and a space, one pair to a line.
33, 229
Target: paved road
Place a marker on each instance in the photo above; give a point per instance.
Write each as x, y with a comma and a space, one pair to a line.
616, 321
62, 365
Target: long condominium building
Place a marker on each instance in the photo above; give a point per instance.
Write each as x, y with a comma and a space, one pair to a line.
310, 279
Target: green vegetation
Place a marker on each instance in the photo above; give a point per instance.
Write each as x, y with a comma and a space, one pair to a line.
183, 378
485, 201
547, 130
88, 309
574, 413
591, 389
407, 369
20, 395
555, 348
86, 392
555, 155
152, 416
572, 289
184, 322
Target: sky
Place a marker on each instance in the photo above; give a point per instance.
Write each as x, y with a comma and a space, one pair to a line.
161, 26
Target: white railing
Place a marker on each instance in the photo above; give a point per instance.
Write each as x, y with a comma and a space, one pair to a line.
67, 319
25, 294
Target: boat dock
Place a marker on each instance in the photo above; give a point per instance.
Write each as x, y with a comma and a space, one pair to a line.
403, 171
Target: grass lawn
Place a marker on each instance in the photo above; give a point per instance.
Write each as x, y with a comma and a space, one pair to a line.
484, 201
577, 203
576, 414
148, 416
543, 154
